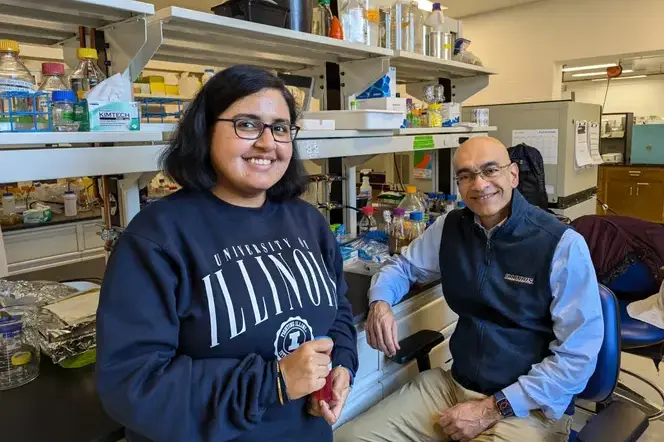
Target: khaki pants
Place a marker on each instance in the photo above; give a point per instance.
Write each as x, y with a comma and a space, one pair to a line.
411, 414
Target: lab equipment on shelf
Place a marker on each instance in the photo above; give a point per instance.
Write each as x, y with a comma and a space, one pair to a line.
161, 109
87, 74
451, 203
411, 202
322, 18
396, 237
53, 79
416, 30
62, 111
257, 11
71, 203
368, 222
354, 22
16, 83
8, 203
415, 225
27, 117
373, 23
440, 42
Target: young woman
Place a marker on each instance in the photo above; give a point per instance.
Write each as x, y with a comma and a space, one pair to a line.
215, 296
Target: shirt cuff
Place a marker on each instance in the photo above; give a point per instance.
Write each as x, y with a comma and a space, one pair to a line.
519, 400
345, 360
381, 294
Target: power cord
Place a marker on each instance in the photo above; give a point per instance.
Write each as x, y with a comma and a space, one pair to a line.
396, 167
606, 207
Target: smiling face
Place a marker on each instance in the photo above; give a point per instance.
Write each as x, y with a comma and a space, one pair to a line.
248, 168
487, 196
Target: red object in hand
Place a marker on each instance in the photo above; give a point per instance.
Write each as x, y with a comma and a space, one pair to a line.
325, 393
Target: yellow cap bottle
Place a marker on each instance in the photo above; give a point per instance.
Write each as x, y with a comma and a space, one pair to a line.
9, 46
83, 53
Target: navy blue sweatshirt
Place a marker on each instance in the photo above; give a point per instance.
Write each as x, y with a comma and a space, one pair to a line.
200, 299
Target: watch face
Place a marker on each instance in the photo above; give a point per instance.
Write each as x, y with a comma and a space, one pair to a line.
505, 408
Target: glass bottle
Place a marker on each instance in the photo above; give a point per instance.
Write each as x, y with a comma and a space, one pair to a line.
62, 110
373, 24
416, 226
368, 222
87, 74
53, 79
397, 237
416, 30
14, 77
411, 202
322, 18
354, 21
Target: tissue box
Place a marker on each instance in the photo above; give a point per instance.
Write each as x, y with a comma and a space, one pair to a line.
389, 103
116, 116
451, 114
384, 87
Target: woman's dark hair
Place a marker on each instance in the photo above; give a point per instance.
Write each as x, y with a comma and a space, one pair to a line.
187, 158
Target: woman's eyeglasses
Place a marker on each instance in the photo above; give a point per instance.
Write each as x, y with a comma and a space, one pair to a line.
488, 173
249, 129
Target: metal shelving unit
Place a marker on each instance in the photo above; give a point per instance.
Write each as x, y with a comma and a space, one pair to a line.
50, 22
137, 34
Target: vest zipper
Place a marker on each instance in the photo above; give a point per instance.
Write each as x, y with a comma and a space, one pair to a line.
487, 252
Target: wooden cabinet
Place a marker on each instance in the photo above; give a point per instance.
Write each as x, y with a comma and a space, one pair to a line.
632, 191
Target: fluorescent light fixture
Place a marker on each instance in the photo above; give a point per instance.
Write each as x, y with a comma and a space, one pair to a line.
587, 68
621, 78
426, 5
592, 74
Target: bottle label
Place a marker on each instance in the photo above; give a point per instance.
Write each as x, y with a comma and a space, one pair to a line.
12, 84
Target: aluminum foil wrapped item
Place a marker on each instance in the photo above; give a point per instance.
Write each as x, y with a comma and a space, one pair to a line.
40, 293
67, 328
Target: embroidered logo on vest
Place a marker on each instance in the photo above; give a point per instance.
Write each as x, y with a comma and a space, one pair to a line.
519, 279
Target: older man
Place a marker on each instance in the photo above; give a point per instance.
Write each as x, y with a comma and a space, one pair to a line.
530, 321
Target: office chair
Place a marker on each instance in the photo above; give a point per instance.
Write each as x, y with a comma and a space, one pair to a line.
613, 422
638, 337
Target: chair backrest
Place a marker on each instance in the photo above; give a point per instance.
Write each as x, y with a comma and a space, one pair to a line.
604, 379
635, 279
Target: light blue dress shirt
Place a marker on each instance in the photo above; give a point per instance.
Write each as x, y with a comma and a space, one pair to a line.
575, 310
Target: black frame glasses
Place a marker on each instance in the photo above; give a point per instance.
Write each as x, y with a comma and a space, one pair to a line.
483, 172
293, 130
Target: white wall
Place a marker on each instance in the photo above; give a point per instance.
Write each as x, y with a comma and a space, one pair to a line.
524, 43
643, 96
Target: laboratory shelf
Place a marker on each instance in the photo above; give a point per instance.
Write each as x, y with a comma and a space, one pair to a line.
62, 162
48, 138
208, 39
445, 130
314, 148
413, 67
49, 22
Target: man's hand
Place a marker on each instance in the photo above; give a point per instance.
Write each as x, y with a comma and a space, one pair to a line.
468, 420
381, 328
340, 389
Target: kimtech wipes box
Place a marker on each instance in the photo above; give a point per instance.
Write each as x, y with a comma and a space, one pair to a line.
118, 116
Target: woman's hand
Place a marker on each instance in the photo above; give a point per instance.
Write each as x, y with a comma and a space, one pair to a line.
340, 389
305, 369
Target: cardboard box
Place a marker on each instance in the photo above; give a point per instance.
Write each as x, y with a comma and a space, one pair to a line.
389, 103
117, 116
384, 87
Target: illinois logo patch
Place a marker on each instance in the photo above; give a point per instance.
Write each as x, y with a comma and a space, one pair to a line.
292, 333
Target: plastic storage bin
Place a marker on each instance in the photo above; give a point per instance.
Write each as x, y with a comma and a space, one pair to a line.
360, 119
256, 11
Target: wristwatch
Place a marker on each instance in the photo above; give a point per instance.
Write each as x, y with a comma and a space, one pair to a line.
504, 406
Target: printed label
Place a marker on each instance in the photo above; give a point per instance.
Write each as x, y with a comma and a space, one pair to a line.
423, 142
12, 84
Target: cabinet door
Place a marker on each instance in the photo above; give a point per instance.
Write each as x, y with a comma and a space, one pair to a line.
649, 200
620, 197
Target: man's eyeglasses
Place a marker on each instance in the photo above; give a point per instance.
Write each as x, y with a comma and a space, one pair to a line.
488, 173
249, 129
